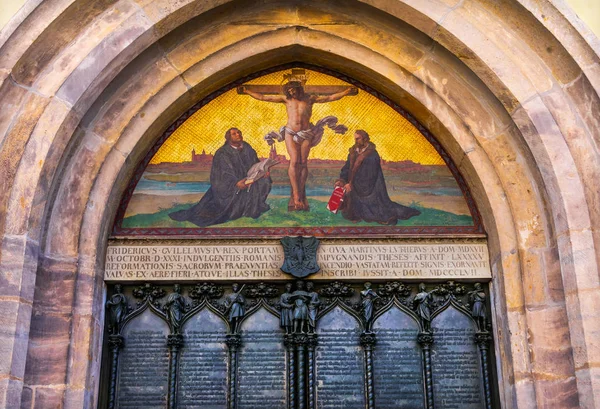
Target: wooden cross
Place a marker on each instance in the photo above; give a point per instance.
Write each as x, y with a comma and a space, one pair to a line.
299, 75
308, 89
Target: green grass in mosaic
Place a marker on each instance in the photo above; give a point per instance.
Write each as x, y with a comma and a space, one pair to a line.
278, 216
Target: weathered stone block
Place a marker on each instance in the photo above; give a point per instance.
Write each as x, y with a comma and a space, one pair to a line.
555, 163
112, 15
422, 15
55, 285
19, 264
10, 393
76, 399
404, 49
554, 283
585, 378
132, 99
592, 72
113, 49
71, 200
11, 98
157, 114
534, 278
557, 394
81, 350
520, 359
498, 37
550, 343
56, 118
49, 398
170, 14
510, 159
46, 177
26, 398
48, 353
488, 194
56, 36
9, 311
207, 42
560, 22
512, 276
18, 342
462, 91
590, 305
533, 33
14, 337
586, 102
578, 262
18, 136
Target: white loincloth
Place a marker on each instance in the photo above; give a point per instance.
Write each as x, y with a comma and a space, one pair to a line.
314, 134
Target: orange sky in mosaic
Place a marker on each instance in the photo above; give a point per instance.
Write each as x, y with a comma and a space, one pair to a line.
396, 138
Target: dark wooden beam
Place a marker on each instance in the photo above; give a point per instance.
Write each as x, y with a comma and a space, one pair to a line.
309, 89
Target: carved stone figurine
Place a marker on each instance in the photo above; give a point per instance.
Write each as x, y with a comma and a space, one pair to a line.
367, 296
478, 311
422, 305
235, 307
287, 315
117, 307
313, 307
301, 299
175, 307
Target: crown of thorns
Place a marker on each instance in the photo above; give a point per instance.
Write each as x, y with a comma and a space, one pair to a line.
292, 84
294, 79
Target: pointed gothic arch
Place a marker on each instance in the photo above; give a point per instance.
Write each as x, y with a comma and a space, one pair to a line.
511, 93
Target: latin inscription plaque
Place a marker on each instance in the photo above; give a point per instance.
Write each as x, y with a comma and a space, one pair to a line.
339, 362
397, 362
457, 380
144, 364
203, 363
403, 261
261, 363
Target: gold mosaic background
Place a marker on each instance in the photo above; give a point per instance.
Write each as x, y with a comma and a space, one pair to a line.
396, 138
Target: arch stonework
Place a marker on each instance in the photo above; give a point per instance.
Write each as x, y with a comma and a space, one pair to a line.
510, 89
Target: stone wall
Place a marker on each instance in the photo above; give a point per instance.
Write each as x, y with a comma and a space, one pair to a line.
510, 88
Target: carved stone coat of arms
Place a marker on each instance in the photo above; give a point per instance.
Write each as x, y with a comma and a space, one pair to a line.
300, 256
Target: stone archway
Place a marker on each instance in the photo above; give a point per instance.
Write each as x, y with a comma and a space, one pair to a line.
511, 92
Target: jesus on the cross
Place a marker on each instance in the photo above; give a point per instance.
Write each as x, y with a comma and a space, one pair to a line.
299, 133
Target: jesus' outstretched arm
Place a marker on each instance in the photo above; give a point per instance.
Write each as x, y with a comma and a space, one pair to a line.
261, 97
335, 97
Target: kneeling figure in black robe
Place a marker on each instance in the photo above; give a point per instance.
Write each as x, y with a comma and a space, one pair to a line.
366, 195
228, 198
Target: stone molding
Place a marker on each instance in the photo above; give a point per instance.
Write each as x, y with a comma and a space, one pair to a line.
510, 92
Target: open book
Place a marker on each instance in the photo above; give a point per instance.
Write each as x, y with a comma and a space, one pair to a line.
259, 170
